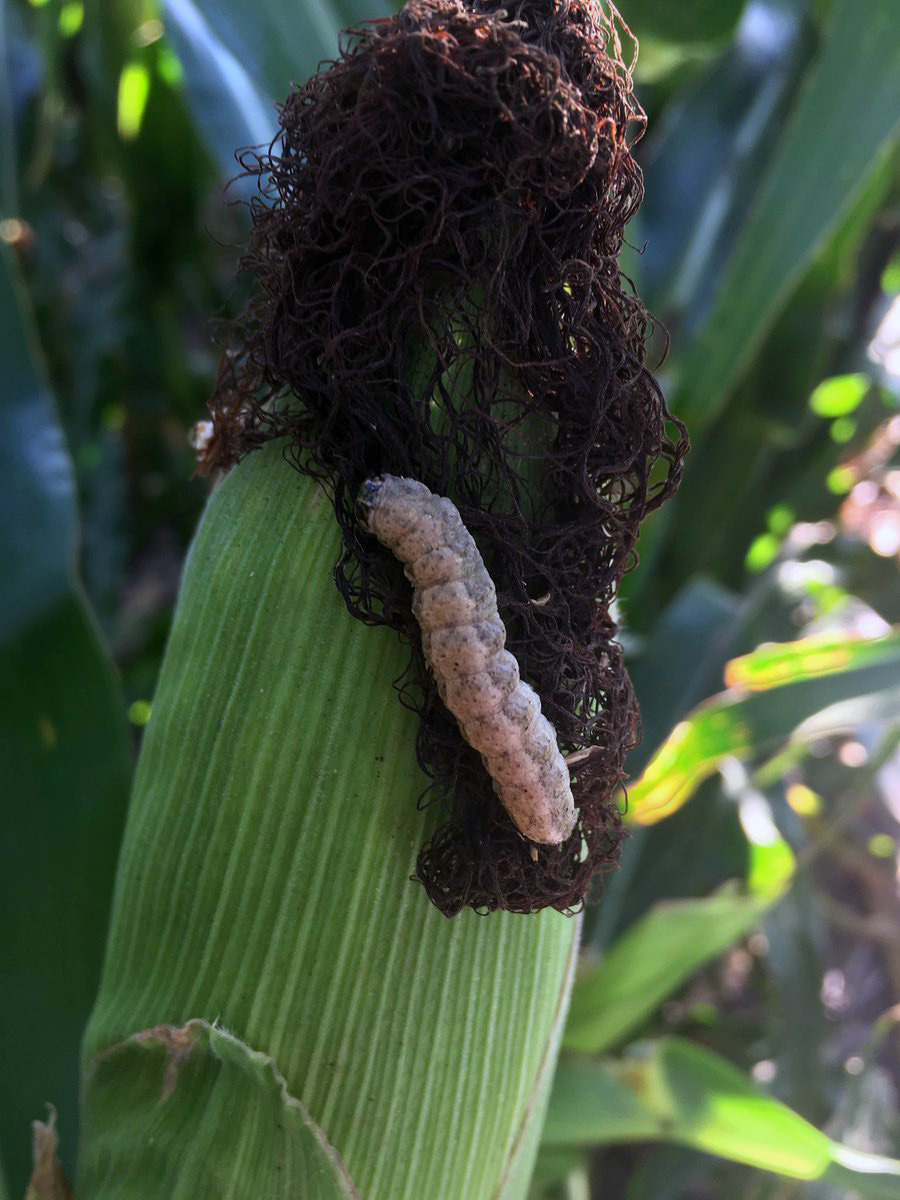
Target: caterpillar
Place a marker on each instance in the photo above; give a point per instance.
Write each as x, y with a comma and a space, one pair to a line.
463, 639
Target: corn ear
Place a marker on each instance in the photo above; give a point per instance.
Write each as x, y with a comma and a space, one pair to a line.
282, 1012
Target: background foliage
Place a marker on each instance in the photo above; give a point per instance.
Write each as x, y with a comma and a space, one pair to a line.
733, 1026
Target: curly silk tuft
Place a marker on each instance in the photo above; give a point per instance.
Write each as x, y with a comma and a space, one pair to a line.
435, 243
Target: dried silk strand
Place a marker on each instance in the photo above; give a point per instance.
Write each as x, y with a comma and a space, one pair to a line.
463, 639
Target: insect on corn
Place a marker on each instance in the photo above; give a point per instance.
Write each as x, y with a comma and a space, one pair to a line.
439, 298
463, 640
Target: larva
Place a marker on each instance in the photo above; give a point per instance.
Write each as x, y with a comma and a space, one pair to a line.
455, 603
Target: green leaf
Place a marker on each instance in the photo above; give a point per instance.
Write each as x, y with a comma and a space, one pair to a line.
231, 104
673, 1090
704, 161
239, 59
64, 757
680, 664
687, 21
685, 655
9, 199
805, 689
593, 1104
249, 1134
774, 664
265, 877
39, 529
652, 960
794, 971
844, 120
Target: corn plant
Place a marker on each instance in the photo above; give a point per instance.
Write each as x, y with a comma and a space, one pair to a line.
281, 1010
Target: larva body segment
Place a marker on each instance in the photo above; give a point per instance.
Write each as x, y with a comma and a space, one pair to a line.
463, 638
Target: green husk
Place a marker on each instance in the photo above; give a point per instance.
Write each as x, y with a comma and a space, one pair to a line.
264, 890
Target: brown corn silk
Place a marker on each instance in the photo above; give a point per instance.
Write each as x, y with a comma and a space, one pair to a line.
435, 242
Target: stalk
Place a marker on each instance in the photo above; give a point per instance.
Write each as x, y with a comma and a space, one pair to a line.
282, 1012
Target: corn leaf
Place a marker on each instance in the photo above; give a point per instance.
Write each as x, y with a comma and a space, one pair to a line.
229, 106
244, 1123
705, 159
651, 960
673, 1090
265, 884
774, 664
844, 120
688, 21
239, 59
803, 689
64, 759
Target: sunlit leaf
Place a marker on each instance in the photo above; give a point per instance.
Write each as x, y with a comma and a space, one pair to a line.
71, 18
650, 961
762, 552
772, 665
673, 1090
802, 688
676, 1091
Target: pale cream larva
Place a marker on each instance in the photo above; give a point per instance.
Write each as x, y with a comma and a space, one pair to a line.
463, 638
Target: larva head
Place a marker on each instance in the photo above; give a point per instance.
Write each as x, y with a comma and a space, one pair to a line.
367, 499
390, 505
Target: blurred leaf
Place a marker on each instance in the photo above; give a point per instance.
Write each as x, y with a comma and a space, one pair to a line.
134, 88
706, 156
840, 395
844, 120
686, 21
683, 659
868, 1175
239, 59
592, 1104
64, 756
9, 200
680, 664
773, 665
651, 960
664, 1172
554, 1165
771, 864
674, 1090
231, 105
734, 724
38, 529
766, 444
794, 969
